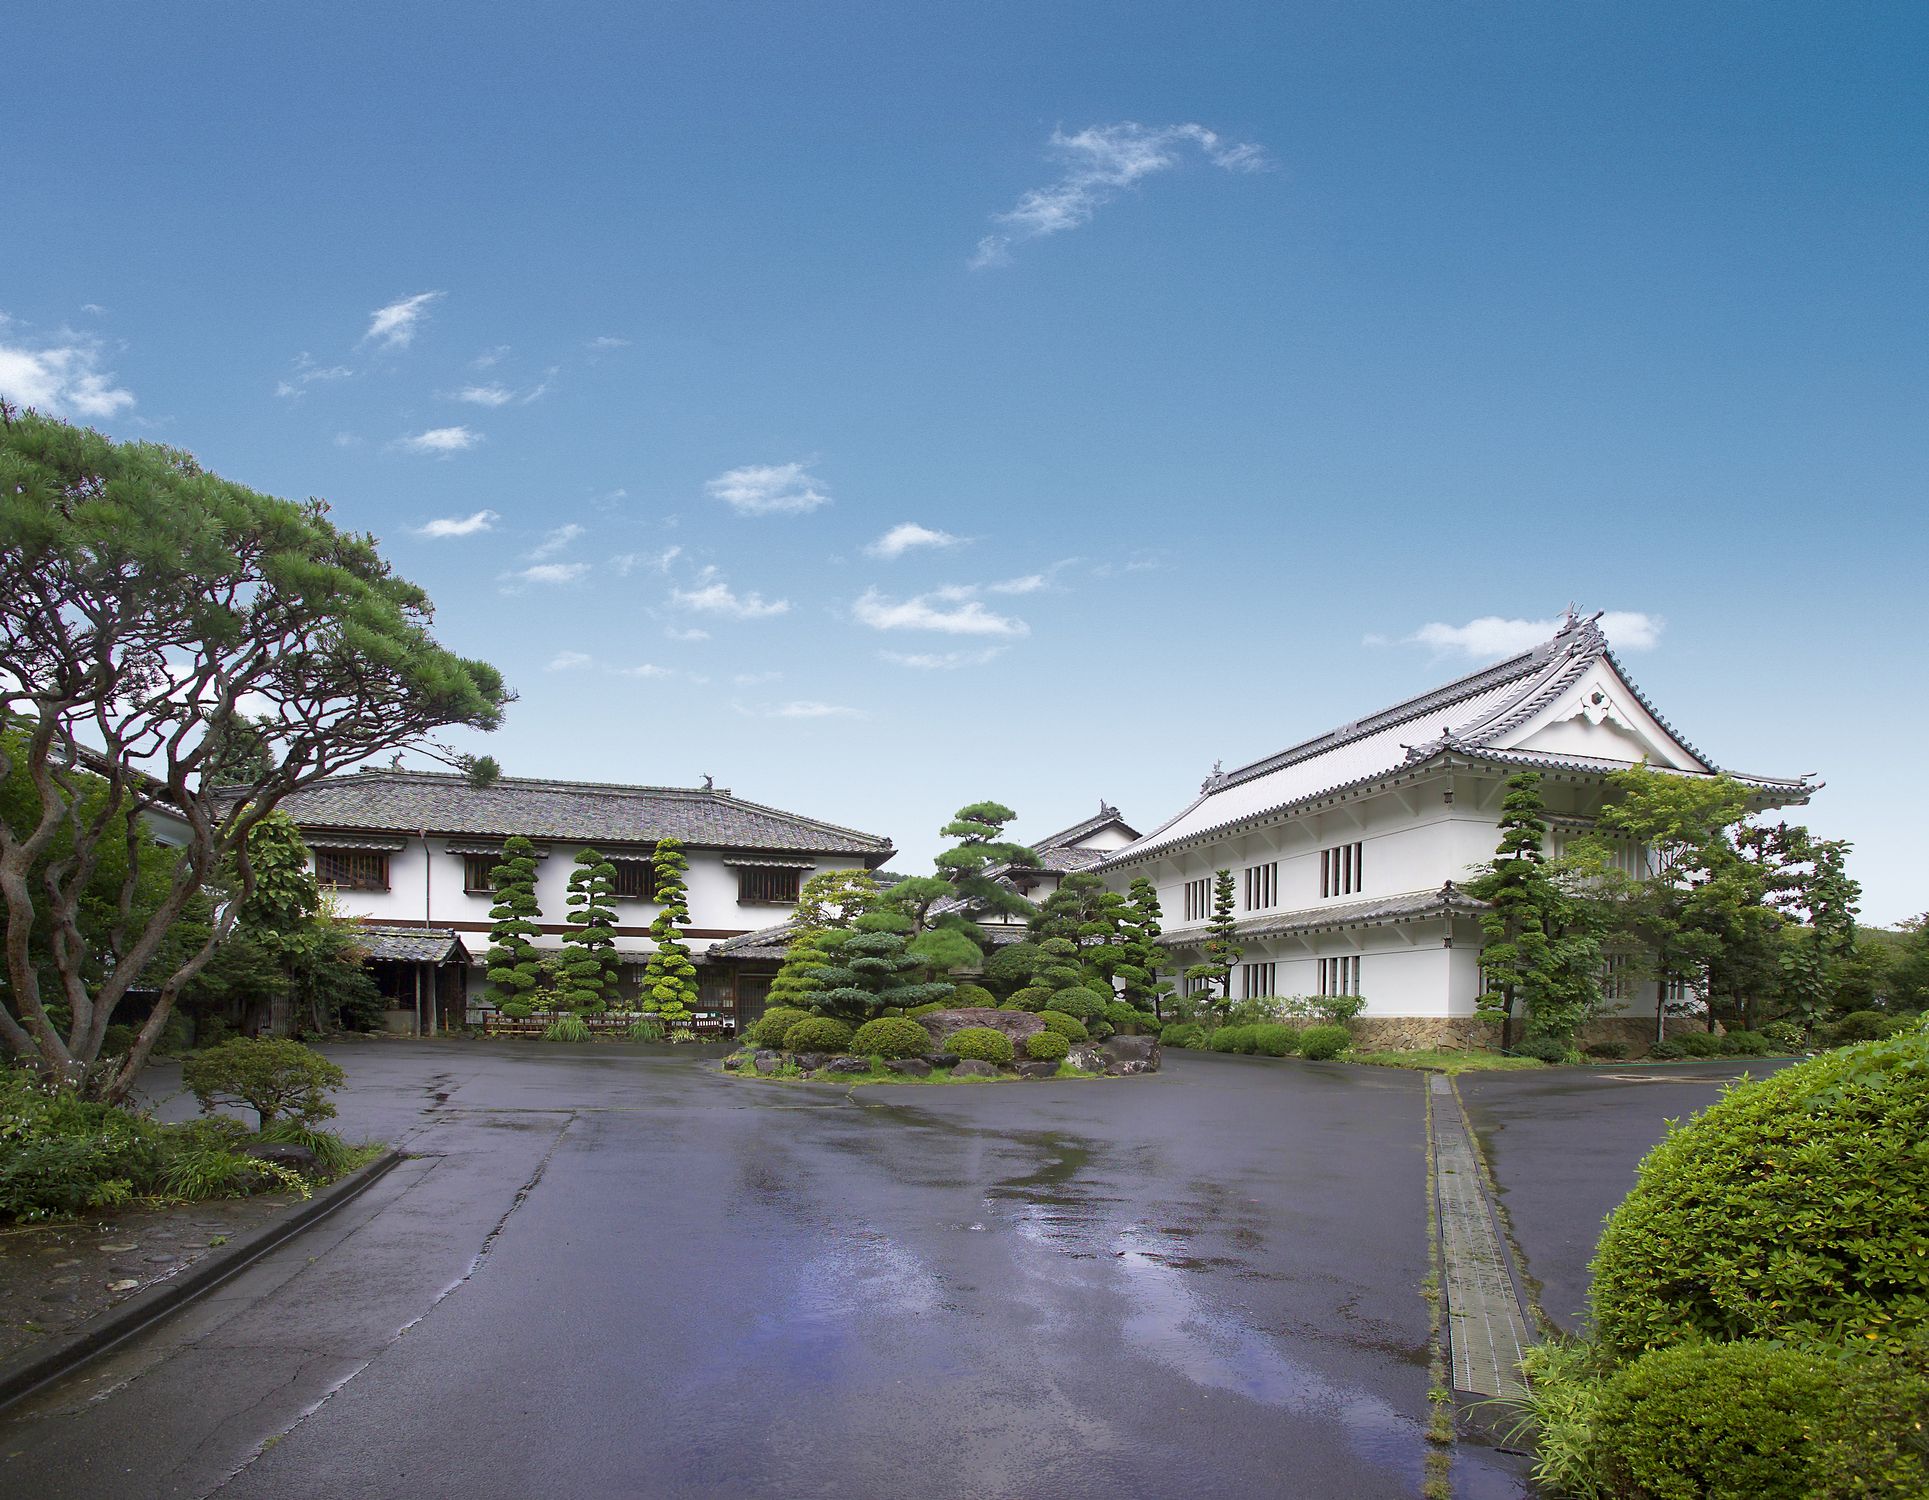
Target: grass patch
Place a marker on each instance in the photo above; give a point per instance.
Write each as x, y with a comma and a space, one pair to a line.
1445, 1060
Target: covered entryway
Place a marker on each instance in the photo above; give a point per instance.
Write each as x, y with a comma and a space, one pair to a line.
423, 974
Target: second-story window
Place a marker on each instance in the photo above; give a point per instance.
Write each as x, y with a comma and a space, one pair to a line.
1198, 903
1262, 887
1342, 870
478, 873
352, 869
769, 887
635, 879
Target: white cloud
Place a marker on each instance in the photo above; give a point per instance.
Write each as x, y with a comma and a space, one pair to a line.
306, 373
556, 541
965, 616
63, 380
755, 679
715, 597
645, 669
551, 573
608, 341
541, 388
627, 563
677, 633
806, 708
94, 308
469, 525
908, 535
393, 327
347, 440
485, 395
942, 661
489, 358
1492, 636
768, 490
1031, 583
442, 440
1102, 161
568, 661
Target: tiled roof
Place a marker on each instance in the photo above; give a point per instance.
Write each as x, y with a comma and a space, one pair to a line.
589, 812
416, 945
1104, 818
1467, 716
1409, 906
764, 943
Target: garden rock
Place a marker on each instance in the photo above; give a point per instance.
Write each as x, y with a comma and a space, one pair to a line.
848, 1065
1087, 1058
768, 1062
810, 1062
974, 1067
1037, 1069
1015, 1024
733, 1062
911, 1067
282, 1154
1130, 1054
943, 1059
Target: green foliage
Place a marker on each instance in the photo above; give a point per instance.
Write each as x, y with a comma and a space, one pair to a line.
952, 944
513, 963
1323, 1042
834, 899
1882, 1445
819, 1034
1047, 1046
1220, 950
1129, 1020
1862, 1026
1033, 997
1785, 1036
1012, 967
1238, 1039
669, 974
1700, 1044
332, 1153
1795, 1208
1547, 1049
273, 1076
1141, 982
980, 832
1745, 1044
1275, 1039
1069, 1027
872, 969
971, 996
568, 1027
980, 1042
646, 1029
1606, 1050
1666, 1050
926, 1010
891, 1036
588, 976
769, 1029
797, 985
1187, 1034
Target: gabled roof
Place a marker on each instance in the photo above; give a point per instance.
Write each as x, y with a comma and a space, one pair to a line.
1067, 838
416, 945
584, 811
1481, 716
764, 943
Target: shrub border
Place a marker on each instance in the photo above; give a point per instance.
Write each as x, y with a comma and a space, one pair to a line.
60, 1356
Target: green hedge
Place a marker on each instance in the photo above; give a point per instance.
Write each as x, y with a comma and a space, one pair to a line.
1795, 1208
1237, 1039
1187, 1034
972, 997
820, 1034
1700, 1044
1069, 1027
768, 1030
891, 1036
982, 1043
1275, 1039
1323, 1042
1047, 1046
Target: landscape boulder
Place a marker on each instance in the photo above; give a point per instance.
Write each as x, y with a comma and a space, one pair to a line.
848, 1065
1015, 1024
1086, 1057
943, 1059
1040, 1068
1130, 1054
910, 1067
768, 1062
974, 1067
282, 1154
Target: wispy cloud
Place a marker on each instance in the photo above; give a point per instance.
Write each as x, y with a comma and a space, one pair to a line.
646, 670
713, 596
394, 326
949, 610
1100, 162
489, 358
942, 661
568, 661
556, 541
608, 341
768, 490
442, 441
64, 379
908, 536
484, 395
1494, 636
799, 708
545, 573
306, 373
469, 525
679, 633
627, 563
94, 309
1031, 583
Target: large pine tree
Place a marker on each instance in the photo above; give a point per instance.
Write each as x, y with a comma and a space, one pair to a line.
587, 979
670, 976
829, 902
1138, 976
513, 962
1220, 951
871, 969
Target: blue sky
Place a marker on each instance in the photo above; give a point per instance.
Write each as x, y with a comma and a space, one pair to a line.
1216, 358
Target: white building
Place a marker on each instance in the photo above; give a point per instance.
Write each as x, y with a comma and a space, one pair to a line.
1349, 850
410, 853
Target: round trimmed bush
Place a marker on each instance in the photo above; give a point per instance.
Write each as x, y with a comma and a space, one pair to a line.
1069, 1027
1607, 1051
1187, 1034
1047, 1046
1128, 1018
1724, 1421
891, 1036
1863, 1026
1666, 1050
1275, 1039
1077, 1001
972, 997
1796, 1208
1098, 1028
1031, 997
1745, 1044
1700, 1044
1237, 1039
819, 1034
769, 1029
982, 1043
927, 1010
1323, 1042
1547, 1049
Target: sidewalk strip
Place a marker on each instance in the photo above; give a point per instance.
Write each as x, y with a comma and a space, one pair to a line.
1486, 1324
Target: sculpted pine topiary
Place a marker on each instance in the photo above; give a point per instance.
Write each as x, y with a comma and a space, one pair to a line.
670, 976
1140, 982
1220, 951
872, 969
588, 978
513, 962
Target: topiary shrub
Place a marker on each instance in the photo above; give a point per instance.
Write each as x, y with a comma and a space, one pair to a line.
1666, 1050
820, 1034
1275, 1039
275, 1076
1745, 1044
1031, 997
1724, 1421
1323, 1042
1235, 1039
982, 1043
1882, 1448
1047, 1046
1607, 1051
925, 1010
1700, 1044
1795, 1208
891, 1036
1077, 1001
1129, 1019
769, 1029
1547, 1049
1187, 1034
1863, 1026
1785, 1036
1069, 1027
972, 997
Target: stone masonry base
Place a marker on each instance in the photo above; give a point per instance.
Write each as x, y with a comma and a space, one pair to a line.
1403, 1033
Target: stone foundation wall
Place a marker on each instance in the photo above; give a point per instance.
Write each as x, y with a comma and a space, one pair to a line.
1636, 1033
1402, 1033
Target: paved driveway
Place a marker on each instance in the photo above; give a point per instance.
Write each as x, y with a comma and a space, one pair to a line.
616, 1273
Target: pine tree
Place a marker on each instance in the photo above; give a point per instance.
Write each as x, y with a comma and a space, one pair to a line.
1080, 929
513, 963
829, 902
1144, 955
962, 873
871, 969
797, 983
669, 976
588, 978
1220, 951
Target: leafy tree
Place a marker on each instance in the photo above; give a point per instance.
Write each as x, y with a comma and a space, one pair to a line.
271, 1075
871, 969
1541, 956
835, 898
143, 601
1011, 967
797, 984
514, 963
1220, 951
589, 969
1908, 970
1101, 927
670, 976
1145, 956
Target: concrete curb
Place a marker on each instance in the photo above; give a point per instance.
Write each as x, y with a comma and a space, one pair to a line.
33, 1368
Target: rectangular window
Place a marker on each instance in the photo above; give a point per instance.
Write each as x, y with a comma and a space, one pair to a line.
352, 869
1617, 977
635, 879
1256, 981
1262, 886
477, 869
769, 887
1199, 899
1342, 870
1340, 976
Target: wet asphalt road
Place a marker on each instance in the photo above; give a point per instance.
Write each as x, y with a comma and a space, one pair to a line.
1563, 1145
609, 1273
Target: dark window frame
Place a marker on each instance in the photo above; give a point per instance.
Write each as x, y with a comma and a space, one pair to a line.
762, 885
352, 869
